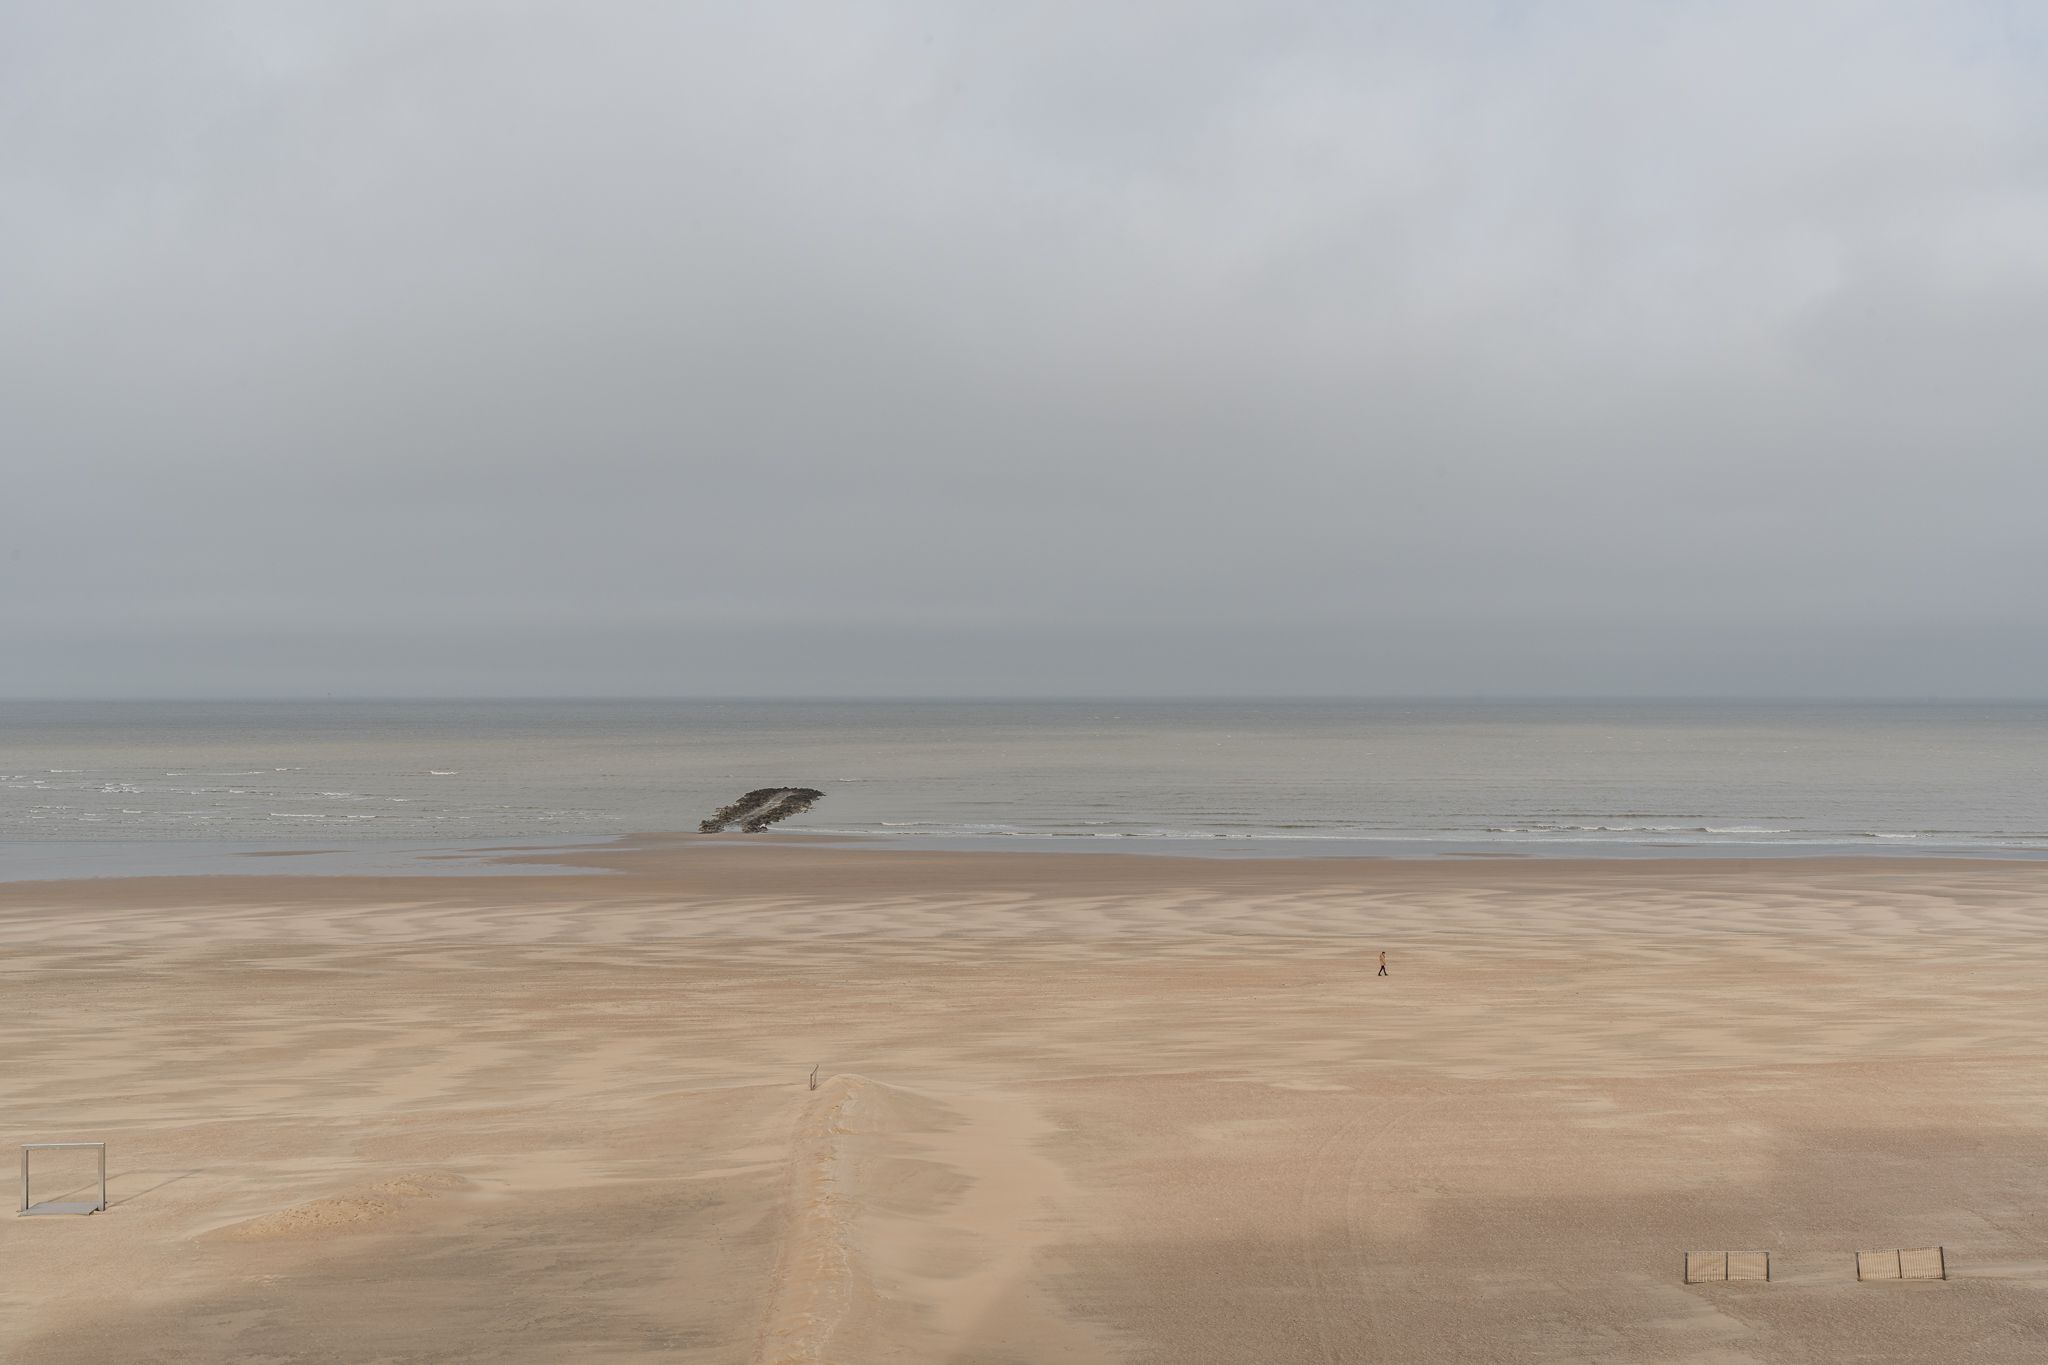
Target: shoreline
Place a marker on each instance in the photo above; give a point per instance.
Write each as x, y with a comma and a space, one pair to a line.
679, 862
37, 862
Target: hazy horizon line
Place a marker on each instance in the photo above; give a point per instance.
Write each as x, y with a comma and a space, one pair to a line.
1674, 698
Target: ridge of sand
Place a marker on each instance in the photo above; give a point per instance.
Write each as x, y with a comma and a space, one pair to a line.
820, 1274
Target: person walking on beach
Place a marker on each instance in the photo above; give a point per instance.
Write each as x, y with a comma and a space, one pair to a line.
1383, 964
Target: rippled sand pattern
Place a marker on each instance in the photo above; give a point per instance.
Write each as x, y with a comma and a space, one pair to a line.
1071, 1108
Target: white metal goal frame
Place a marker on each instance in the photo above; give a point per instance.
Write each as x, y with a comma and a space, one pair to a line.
62, 1205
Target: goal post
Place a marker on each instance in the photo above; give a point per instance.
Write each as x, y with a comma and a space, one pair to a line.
29, 1206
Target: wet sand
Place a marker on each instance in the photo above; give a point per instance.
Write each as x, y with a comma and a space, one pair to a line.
1070, 1108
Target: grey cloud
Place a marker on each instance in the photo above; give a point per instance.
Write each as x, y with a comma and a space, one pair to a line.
920, 348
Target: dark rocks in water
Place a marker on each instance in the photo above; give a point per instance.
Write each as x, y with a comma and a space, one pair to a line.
761, 808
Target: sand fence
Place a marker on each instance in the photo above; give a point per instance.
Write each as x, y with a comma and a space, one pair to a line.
1904, 1263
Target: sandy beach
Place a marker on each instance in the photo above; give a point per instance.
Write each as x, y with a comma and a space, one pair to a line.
1068, 1108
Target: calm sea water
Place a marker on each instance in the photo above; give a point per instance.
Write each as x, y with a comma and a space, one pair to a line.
1285, 777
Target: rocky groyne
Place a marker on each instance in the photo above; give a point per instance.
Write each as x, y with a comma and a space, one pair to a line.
761, 808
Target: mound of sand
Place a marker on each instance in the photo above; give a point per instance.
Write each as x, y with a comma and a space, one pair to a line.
354, 1211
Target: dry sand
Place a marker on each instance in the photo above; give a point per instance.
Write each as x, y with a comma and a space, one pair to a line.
1071, 1108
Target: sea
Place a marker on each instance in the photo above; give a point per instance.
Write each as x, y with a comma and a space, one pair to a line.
94, 788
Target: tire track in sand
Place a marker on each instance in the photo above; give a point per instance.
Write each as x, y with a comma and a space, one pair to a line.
1342, 1289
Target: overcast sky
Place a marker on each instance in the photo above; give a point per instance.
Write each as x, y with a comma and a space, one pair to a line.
939, 348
